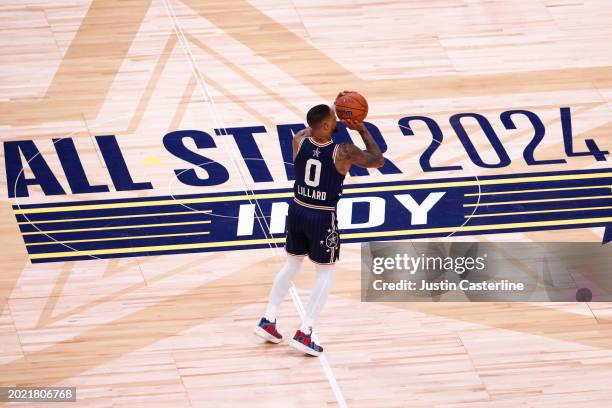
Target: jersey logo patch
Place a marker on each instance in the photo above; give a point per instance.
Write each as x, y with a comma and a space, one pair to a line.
316, 152
331, 241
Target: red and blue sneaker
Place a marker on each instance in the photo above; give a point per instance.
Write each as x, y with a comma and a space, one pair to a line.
267, 330
302, 342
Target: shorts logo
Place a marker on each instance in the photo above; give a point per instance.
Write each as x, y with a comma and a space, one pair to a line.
331, 241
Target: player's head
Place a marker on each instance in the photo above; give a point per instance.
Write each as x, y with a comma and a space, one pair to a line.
322, 119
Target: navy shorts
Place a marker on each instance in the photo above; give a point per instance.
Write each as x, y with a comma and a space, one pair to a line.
314, 233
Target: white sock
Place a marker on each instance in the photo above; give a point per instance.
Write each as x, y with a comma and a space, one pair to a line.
318, 296
281, 285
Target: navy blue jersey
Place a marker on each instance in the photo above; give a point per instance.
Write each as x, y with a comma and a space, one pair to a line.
317, 182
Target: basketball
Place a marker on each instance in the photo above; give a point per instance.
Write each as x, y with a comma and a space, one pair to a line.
351, 105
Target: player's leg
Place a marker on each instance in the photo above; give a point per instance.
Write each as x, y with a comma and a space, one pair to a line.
297, 248
318, 295
282, 282
324, 251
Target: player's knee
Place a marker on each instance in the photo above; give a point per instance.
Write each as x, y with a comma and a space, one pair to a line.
325, 269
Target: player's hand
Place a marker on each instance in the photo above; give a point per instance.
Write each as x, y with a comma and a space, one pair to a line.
354, 125
342, 93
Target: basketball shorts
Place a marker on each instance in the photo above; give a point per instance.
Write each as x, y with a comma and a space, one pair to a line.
314, 233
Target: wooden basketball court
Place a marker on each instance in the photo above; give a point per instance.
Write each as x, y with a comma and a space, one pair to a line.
171, 325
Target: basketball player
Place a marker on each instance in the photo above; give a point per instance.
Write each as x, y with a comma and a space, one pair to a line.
320, 166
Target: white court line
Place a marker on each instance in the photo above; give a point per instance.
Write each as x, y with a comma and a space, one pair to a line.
212, 109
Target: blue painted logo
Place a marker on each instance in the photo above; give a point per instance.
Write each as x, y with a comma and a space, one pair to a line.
241, 220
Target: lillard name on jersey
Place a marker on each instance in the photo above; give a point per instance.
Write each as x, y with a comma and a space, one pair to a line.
317, 181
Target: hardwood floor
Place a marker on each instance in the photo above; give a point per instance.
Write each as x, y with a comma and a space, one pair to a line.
163, 327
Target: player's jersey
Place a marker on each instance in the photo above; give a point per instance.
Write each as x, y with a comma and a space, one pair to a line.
317, 182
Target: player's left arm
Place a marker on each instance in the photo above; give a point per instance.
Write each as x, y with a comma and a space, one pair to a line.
298, 139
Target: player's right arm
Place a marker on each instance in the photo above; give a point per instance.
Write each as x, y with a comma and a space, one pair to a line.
297, 140
350, 154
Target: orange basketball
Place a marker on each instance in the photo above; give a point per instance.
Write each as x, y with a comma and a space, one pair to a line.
351, 105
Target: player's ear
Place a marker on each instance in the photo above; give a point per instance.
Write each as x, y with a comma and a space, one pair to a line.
332, 119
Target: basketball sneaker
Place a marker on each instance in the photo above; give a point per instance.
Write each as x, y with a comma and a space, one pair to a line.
302, 342
267, 330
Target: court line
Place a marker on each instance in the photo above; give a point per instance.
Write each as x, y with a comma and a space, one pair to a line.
538, 190
165, 224
119, 238
480, 227
527, 179
543, 200
211, 106
541, 211
112, 217
157, 248
355, 190
152, 203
